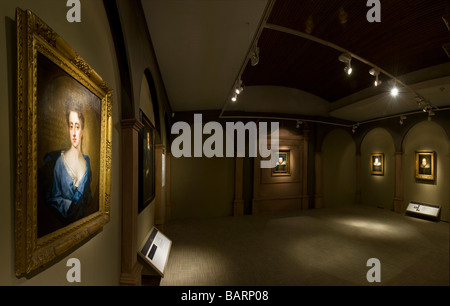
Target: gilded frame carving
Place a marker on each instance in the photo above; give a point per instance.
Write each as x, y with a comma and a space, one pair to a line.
377, 164
37, 40
425, 165
283, 165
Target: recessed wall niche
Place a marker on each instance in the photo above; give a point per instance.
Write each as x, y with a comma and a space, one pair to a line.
286, 191
427, 135
378, 190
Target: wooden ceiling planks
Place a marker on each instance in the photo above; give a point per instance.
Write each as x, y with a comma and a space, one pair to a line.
409, 37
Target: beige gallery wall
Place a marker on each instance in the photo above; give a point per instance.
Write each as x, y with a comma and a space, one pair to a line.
202, 187
338, 169
378, 190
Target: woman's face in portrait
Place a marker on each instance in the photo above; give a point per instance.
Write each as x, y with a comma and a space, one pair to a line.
424, 162
75, 131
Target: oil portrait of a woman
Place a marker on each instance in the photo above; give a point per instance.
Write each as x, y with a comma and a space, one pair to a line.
70, 192
68, 137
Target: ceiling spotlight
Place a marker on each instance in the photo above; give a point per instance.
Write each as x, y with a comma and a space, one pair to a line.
402, 117
299, 122
394, 91
255, 56
354, 128
348, 69
424, 105
234, 98
427, 108
239, 88
375, 73
418, 99
347, 59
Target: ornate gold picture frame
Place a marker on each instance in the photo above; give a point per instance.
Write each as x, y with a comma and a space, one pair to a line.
63, 147
283, 164
377, 164
425, 164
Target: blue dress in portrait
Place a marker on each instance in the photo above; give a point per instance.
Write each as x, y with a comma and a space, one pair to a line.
67, 196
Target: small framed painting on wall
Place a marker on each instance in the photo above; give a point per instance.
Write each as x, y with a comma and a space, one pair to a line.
283, 164
425, 165
377, 164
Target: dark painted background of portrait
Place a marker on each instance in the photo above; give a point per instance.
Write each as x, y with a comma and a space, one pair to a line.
427, 170
283, 169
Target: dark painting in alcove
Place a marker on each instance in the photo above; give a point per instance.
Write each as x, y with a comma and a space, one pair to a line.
146, 163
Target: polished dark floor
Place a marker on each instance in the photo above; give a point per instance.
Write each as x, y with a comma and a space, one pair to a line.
329, 246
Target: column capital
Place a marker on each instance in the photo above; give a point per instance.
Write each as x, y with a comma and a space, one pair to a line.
132, 123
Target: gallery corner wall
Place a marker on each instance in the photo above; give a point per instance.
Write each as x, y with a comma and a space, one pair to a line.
339, 168
201, 187
91, 38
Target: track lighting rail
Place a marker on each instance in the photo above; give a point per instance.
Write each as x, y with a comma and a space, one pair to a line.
345, 51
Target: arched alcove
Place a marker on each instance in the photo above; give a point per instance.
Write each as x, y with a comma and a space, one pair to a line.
378, 189
146, 102
338, 169
150, 103
427, 135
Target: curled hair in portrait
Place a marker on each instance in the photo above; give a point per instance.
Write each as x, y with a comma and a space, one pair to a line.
72, 105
